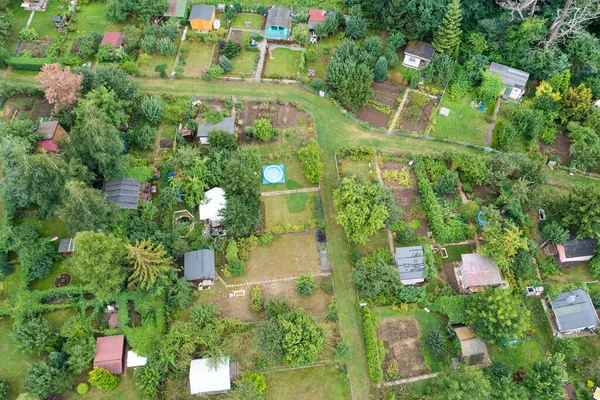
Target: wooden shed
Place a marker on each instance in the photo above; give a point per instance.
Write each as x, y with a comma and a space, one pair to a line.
202, 17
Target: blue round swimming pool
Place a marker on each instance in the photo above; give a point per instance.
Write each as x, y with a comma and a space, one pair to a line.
273, 174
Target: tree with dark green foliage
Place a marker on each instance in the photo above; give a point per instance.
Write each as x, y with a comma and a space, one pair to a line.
490, 89
447, 35
230, 50
381, 69
276, 306
242, 192
22, 128
355, 88
580, 211
293, 338
497, 315
225, 64
414, 19
81, 352
546, 379
375, 276
503, 386
142, 136
222, 140
356, 27
439, 70
32, 335
310, 158
306, 285
415, 79
4, 389
43, 379
86, 209
554, 233
161, 69
466, 382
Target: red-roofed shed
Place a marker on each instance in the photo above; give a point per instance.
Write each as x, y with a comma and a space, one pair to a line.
317, 15
110, 353
51, 132
113, 38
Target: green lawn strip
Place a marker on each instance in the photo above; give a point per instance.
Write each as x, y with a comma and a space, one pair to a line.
157, 59
240, 19
19, 18
464, 124
59, 267
315, 383
520, 355
378, 240
294, 209
320, 64
454, 252
564, 179
14, 363
349, 167
125, 390
540, 322
42, 21
91, 19
285, 63
577, 273
428, 321
589, 348
198, 58
57, 318
294, 175
244, 63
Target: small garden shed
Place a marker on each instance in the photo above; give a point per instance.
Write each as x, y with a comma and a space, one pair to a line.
418, 54
577, 250
410, 264
475, 272
514, 80
202, 17
51, 132
574, 312
471, 347
199, 267
278, 23
115, 39
125, 192
110, 353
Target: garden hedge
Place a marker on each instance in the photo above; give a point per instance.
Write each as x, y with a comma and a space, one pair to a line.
375, 348
27, 64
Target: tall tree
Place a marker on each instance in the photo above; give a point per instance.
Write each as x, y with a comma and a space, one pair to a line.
99, 261
242, 192
572, 20
415, 19
149, 262
86, 209
43, 379
580, 211
355, 89
547, 378
32, 335
60, 85
497, 315
447, 35
467, 382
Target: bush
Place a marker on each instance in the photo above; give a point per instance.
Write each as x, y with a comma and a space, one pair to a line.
27, 64
151, 107
256, 299
381, 69
300, 34
4, 389
306, 285
310, 158
28, 34
83, 388
415, 79
161, 69
230, 50
263, 129
447, 183
311, 55
276, 306
142, 136
236, 267
317, 84
554, 233
434, 342
103, 379
375, 347
225, 64
414, 114
215, 71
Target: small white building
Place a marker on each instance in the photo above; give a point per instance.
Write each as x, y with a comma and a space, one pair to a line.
210, 208
208, 379
134, 360
411, 265
418, 54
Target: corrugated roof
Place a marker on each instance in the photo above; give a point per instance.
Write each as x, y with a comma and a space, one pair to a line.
109, 353
510, 76
470, 345
206, 379
66, 246
227, 124
176, 9
199, 264
47, 129
202, 11
410, 263
317, 15
113, 38
279, 16
125, 192
478, 270
574, 311
420, 49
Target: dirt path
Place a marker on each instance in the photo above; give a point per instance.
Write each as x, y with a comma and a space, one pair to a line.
291, 278
304, 190
179, 51
389, 232
317, 364
157, 145
400, 107
408, 380
490, 135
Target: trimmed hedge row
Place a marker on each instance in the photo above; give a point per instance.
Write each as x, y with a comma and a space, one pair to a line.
27, 64
375, 348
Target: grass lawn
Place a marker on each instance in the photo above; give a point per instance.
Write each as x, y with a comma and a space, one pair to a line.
14, 364
42, 21
540, 322
577, 273
48, 282
463, 124
198, 59
240, 19
320, 64
315, 383
124, 391
286, 257
378, 240
19, 19
454, 252
46, 227
284, 64
157, 59
244, 63
401, 69
294, 175
57, 318
520, 355
295, 209
91, 18
349, 167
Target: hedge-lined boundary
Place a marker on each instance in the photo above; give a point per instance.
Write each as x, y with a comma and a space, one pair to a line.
27, 64
375, 348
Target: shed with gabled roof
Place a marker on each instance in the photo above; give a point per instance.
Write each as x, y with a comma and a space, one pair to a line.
278, 23
577, 250
410, 264
51, 132
66, 246
514, 80
470, 345
574, 312
199, 267
115, 39
476, 272
110, 353
202, 17
418, 54
176, 9
124, 191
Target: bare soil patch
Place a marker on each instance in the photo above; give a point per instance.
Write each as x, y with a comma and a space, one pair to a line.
486, 193
402, 339
373, 117
422, 124
288, 114
30, 107
451, 276
560, 148
384, 93
36, 47
236, 36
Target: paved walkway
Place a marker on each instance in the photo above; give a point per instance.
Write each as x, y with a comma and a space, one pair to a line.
393, 124
493, 124
305, 190
179, 50
407, 380
29, 20
292, 278
262, 47
389, 232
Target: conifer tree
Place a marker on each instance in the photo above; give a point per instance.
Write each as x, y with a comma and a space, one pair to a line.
447, 36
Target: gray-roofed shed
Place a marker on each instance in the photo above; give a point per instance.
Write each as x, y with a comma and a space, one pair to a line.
201, 11
279, 16
580, 247
420, 49
227, 124
125, 192
47, 129
510, 76
574, 311
410, 263
199, 265
66, 246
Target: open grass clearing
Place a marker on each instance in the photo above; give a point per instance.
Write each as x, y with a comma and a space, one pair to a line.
454, 252
576, 273
348, 167
14, 363
402, 333
464, 124
377, 241
240, 21
518, 356
243, 63
284, 64
58, 268
57, 318
290, 209
91, 19
540, 323
125, 390
198, 59
320, 64
294, 175
157, 59
286, 257
315, 383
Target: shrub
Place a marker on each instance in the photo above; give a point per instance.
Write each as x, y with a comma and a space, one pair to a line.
310, 158
300, 34
414, 114
276, 306
342, 351
434, 342
28, 34
230, 50
83, 388
4, 389
375, 347
151, 107
256, 299
317, 84
554, 233
215, 71
103, 379
142, 136
225, 64
415, 79
257, 380
161, 69
27, 64
263, 129
381, 69
311, 55
236, 267
447, 183
306, 285
327, 287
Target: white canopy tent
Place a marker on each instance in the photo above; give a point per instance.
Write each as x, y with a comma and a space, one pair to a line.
212, 205
133, 360
205, 379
